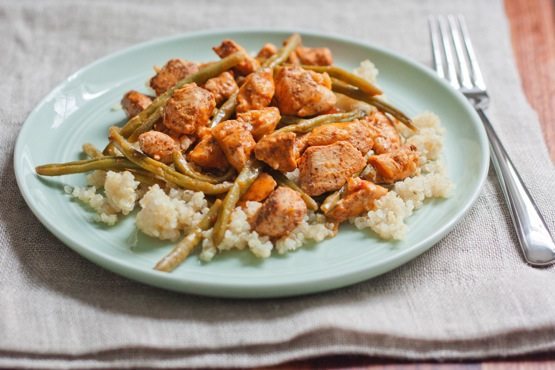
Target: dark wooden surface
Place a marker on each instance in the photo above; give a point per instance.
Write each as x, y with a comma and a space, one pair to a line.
533, 36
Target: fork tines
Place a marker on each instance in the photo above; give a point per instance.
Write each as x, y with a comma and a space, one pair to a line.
453, 54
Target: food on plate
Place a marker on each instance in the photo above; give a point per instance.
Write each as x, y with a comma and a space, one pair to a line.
264, 152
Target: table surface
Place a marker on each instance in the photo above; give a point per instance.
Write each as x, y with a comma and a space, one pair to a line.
532, 25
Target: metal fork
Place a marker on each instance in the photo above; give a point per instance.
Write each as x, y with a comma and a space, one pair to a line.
455, 61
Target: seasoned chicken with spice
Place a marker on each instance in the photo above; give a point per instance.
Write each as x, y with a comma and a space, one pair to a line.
208, 154
267, 51
280, 214
228, 47
257, 91
236, 141
385, 135
359, 197
222, 87
260, 189
314, 56
174, 71
394, 166
278, 151
327, 168
263, 121
134, 102
303, 93
158, 145
189, 109
356, 133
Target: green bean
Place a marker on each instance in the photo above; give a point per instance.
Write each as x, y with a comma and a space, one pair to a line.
307, 125
91, 151
347, 77
182, 250
161, 170
283, 54
357, 94
146, 177
103, 163
244, 180
181, 164
146, 125
204, 74
285, 181
226, 110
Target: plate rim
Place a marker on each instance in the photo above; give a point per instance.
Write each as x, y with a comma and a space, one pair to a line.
245, 289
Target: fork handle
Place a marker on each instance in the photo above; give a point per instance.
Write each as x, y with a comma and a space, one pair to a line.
536, 242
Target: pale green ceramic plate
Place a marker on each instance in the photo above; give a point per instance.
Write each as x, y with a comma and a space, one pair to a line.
81, 110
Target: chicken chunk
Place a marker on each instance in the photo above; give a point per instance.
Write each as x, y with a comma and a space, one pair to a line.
268, 50
280, 214
158, 145
260, 189
228, 47
385, 135
208, 154
394, 166
359, 198
301, 143
326, 168
257, 91
263, 121
356, 133
222, 87
278, 151
134, 102
189, 109
236, 141
174, 71
303, 93
314, 56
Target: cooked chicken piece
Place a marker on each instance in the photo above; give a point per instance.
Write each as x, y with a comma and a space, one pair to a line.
278, 151
228, 47
303, 93
280, 214
236, 142
314, 56
158, 145
394, 166
184, 141
301, 143
222, 87
385, 135
174, 71
257, 91
260, 189
268, 50
189, 109
263, 121
327, 168
356, 132
359, 198
208, 154
134, 102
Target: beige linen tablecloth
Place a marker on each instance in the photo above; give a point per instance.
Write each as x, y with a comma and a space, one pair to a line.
470, 296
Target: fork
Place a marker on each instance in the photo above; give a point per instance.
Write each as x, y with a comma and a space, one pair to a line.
455, 60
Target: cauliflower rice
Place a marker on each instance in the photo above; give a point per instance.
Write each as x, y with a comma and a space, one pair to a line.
167, 214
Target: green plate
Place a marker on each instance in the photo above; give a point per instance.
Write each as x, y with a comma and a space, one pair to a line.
81, 109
